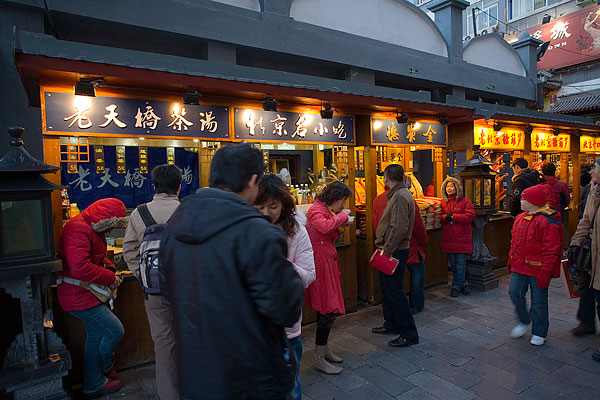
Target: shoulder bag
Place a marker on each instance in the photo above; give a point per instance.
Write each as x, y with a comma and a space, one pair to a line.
583, 258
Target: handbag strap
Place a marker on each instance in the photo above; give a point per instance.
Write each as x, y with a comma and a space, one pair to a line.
594, 219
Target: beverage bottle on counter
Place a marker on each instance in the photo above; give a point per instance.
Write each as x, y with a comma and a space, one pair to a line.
73, 210
310, 197
65, 201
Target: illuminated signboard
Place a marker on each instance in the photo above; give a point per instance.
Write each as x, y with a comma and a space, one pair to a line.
574, 38
545, 141
67, 113
589, 144
389, 131
282, 126
504, 139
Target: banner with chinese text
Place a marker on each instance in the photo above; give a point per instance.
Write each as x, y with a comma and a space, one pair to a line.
504, 139
133, 187
389, 131
574, 38
544, 141
589, 144
65, 112
284, 126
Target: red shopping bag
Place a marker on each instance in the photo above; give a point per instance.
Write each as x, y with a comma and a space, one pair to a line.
384, 263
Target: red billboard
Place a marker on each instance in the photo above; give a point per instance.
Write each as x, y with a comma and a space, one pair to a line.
574, 38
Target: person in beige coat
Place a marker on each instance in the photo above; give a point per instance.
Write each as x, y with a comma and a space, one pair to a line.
591, 214
167, 182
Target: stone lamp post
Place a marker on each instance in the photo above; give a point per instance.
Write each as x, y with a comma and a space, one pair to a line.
37, 359
478, 181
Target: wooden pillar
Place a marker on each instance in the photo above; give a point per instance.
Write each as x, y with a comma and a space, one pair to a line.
527, 149
370, 290
318, 160
349, 273
439, 171
52, 157
576, 189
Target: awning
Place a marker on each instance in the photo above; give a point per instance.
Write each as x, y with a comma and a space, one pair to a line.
576, 104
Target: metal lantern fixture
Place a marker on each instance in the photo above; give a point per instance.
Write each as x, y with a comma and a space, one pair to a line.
478, 181
37, 359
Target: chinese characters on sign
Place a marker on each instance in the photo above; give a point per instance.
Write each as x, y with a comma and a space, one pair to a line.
292, 127
121, 159
574, 38
99, 159
589, 144
544, 141
143, 160
509, 139
89, 182
65, 112
389, 131
170, 155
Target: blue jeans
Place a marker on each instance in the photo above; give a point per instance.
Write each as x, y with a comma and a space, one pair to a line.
417, 284
103, 333
538, 313
296, 345
458, 264
396, 311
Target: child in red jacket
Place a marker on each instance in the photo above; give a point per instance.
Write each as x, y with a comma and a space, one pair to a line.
534, 258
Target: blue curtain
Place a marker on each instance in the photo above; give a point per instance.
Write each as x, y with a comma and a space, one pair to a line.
132, 188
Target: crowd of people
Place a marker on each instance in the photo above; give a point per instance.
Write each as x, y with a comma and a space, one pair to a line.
234, 263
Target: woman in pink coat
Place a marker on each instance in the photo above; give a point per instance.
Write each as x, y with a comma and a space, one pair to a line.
324, 295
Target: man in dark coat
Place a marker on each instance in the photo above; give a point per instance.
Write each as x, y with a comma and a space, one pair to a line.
523, 178
225, 271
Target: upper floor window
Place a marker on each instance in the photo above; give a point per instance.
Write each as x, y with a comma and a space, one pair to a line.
521, 7
486, 16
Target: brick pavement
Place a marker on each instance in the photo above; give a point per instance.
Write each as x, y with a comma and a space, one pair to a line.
465, 352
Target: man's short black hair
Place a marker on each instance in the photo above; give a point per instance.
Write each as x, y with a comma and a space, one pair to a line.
521, 162
233, 165
394, 172
166, 178
549, 169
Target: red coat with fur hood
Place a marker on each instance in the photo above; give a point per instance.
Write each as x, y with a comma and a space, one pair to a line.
456, 236
82, 249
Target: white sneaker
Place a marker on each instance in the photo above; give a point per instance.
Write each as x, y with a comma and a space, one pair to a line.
537, 340
519, 330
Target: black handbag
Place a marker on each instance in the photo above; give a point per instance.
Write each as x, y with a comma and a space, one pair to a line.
583, 257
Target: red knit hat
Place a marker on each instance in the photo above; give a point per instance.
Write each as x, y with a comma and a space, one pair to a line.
536, 195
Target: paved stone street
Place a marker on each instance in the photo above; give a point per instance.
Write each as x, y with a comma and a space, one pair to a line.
465, 352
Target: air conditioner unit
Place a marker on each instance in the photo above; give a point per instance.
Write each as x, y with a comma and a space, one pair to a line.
483, 32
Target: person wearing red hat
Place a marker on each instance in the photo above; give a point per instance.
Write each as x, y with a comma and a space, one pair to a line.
534, 258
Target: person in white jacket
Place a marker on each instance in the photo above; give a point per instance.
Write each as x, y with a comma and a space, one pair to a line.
274, 201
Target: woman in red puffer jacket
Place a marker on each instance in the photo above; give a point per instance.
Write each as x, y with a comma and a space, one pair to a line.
82, 249
457, 215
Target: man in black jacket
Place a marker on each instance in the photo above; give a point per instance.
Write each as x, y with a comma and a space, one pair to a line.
225, 271
523, 178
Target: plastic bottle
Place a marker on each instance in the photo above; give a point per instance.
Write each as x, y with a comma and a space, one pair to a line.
73, 210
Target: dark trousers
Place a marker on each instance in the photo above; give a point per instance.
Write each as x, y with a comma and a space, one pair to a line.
324, 325
586, 313
396, 310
